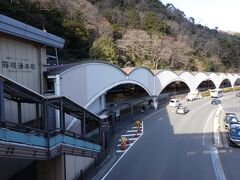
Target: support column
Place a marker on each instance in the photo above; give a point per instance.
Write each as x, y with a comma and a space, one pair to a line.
44, 117
37, 116
132, 112
155, 103
83, 124
2, 105
62, 116
19, 107
103, 101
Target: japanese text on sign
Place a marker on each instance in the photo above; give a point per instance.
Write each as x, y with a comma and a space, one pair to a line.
18, 65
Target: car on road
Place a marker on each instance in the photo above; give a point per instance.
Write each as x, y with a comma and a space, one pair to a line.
193, 96
229, 115
234, 135
238, 94
199, 96
174, 103
182, 110
215, 101
231, 119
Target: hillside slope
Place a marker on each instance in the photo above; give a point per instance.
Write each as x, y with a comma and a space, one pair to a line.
130, 33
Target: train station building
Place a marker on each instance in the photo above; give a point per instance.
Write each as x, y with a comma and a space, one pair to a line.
56, 121
32, 145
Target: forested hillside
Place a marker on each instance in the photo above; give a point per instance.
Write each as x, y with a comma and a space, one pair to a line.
130, 33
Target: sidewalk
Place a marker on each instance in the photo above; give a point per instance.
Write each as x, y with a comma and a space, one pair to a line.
223, 132
112, 156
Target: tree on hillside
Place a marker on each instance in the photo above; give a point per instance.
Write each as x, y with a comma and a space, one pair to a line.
134, 47
105, 49
141, 49
152, 23
75, 25
161, 51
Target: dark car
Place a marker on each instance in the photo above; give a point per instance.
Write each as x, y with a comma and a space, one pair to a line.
231, 120
234, 135
215, 101
229, 115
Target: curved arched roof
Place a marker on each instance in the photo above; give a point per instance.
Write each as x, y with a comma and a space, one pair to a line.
97, 76
127, 70
60, 69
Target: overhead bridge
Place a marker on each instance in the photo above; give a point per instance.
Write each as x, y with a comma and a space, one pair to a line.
32, 145
36, 139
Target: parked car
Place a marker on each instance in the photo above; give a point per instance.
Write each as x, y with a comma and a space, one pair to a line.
238, 94
216, 101
182, 110
174, 103
234, 135
230, 119
228, 115
199, 96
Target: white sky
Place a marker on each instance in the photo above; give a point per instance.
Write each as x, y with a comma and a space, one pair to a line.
224, 14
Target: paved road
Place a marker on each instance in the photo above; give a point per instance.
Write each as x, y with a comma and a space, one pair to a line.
173, 147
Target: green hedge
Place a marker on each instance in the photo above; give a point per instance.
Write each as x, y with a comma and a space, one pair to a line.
205, 93
228, 89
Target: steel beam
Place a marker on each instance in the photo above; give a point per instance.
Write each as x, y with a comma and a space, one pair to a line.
2, 105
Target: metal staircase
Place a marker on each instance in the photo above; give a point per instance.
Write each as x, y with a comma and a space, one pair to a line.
43, 141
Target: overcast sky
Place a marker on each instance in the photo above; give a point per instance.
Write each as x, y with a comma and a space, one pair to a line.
224, 14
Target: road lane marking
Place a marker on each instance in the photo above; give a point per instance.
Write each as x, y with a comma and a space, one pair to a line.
132, 139
214, 151
126, 144
205, 128
128, 135
217, 164
104, 177
130, 131
137, 127
161, 118
120, 151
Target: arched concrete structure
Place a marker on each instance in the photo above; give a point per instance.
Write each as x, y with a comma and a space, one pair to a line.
163, 78
237, 80
200, 77
114, 85
92, 79
233, 78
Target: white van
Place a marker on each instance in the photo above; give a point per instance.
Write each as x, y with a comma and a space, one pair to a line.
191, 96
216, 93
174, 103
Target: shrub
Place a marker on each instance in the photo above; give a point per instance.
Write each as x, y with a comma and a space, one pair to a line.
104, 48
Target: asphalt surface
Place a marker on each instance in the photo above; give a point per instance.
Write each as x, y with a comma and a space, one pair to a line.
173, 146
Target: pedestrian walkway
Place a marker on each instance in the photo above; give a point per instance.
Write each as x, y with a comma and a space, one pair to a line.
128, 138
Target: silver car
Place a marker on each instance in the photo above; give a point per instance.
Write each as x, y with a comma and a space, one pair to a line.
182, 110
